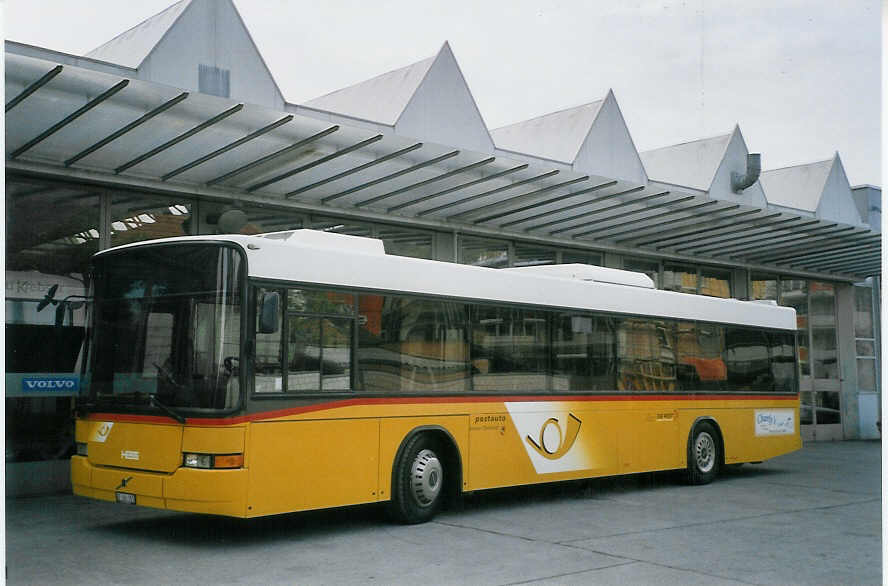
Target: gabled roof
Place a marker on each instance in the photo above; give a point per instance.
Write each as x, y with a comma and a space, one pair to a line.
133, 46
381, 99
799, 187
429, 100
690, 164
557, 136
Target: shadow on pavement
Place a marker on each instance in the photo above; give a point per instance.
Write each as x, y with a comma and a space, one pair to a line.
202, 531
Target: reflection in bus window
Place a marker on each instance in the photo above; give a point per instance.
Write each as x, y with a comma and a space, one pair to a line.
583, 353
318, 353
747, 357
509, 349
267, 361
645, 355
411, 344
700, 364
783, 362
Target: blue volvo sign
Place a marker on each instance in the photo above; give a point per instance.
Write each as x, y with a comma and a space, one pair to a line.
51, 384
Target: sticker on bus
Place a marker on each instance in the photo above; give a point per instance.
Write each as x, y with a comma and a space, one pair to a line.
549, 437
774, 422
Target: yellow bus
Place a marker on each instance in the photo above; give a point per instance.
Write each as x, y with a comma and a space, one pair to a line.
257, 375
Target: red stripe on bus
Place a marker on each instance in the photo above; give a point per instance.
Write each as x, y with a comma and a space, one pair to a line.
129, 418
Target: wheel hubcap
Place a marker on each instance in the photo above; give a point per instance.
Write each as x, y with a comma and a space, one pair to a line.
426, 475
704, 452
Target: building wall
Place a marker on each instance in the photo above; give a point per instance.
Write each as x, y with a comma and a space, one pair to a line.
442, 110
211, 33
837, 203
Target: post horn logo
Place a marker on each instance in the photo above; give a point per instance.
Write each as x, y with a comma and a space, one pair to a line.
550, 448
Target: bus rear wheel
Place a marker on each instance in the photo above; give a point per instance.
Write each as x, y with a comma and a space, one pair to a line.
418, 481
704, 454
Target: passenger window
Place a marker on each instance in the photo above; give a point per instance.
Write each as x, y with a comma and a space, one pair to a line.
268, 356
328, 302
583, 353
318, 353
747, 357
313, 346
412, 344
783, 362
700, 363
510, 349
303, 353
645, 355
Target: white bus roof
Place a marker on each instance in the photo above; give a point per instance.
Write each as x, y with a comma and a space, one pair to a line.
336, 260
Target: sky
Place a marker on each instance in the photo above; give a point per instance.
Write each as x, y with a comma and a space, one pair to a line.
801, 77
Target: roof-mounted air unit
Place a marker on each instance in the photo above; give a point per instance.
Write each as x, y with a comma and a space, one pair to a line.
329, 240
583, 272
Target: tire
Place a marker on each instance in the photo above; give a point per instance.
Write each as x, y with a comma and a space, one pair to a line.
418, 481
704, 454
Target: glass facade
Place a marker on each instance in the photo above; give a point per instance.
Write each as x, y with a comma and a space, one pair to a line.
483, 252
865, 339
649, 267
815, 305
763, 287
681, 278
824, 352
715, 282
499, 254
139, 216
684, 278
51, 232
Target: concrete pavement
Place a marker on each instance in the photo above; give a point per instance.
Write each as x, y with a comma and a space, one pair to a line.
812, 517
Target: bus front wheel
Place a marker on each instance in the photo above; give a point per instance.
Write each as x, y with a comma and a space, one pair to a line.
418, 481
704, 454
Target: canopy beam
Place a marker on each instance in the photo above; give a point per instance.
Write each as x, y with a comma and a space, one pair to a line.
230, 146
70, 118
319, 161
23, 95
419, 184
176, 140
274, 155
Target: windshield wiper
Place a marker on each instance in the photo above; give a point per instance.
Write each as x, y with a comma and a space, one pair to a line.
167, 409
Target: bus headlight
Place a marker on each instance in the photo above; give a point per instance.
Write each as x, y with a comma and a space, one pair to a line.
81, 448
208, 461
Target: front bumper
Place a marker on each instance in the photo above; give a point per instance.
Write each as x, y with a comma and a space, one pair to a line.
215, 492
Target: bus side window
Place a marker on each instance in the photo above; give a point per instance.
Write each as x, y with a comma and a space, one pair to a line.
748, 360
408, 344
268, 357
583, 353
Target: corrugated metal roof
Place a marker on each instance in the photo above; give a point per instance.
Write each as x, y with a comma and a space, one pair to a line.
557, 136
380, 99
692, 164
133, 46
799, 187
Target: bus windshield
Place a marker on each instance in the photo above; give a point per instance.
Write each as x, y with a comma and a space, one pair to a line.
166, 330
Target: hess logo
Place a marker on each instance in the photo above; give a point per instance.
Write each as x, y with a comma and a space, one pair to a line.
554, 441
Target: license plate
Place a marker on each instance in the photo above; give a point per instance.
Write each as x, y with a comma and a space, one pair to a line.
126, 498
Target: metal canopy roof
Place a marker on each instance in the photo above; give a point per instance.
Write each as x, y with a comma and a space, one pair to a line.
87, 126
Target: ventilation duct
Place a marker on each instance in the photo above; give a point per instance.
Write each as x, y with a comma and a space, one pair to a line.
753, 169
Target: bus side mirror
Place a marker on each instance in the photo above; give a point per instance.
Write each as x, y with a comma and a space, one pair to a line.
269, 308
